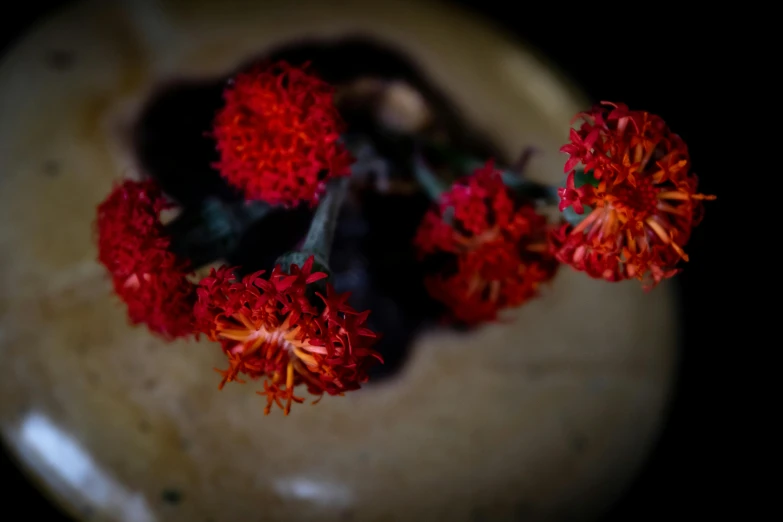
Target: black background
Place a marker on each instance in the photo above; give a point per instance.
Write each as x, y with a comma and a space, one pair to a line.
664, 61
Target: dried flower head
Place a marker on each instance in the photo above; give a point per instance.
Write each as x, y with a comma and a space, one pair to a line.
133, 246
278, 135
641, 204
283, 330
496, 248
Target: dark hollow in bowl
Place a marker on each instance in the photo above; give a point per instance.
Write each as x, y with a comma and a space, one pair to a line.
372, 254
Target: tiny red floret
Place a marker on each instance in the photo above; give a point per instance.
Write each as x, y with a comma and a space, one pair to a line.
644, 206
497, 250
278, 135
133, 246
273, 329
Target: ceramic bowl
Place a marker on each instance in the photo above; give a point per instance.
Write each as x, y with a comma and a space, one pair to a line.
546, 417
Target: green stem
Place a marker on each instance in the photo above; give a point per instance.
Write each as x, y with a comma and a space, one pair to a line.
516, 182
464, 164
320, 236
429, 181
531, 189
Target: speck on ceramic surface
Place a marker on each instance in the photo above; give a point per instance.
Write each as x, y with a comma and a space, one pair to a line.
546, 418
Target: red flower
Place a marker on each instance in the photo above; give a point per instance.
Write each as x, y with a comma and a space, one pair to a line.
570, 195
272, 329
133, 246
278, 135
498, 248
644, 205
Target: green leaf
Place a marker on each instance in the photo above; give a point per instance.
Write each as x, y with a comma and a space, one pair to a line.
581, 177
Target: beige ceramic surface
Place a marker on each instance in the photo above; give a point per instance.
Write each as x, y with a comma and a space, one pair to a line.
546, 418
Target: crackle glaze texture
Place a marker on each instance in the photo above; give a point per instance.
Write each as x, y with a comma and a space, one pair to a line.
544, 418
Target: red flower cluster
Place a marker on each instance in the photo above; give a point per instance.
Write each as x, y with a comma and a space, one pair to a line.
270, 328
644, 206
278, 135
133, 246
499, 247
